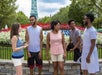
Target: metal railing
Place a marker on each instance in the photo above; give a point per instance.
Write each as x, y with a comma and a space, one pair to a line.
6, 51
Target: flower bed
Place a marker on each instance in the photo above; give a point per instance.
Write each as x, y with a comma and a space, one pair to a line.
5, 36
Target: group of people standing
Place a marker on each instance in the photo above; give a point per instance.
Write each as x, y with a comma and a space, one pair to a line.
55, 46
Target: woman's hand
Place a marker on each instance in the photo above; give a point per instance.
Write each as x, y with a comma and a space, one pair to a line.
25, 45
64, 56
71, 50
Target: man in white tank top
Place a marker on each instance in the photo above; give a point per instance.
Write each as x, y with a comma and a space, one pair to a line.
34, 37
89, 62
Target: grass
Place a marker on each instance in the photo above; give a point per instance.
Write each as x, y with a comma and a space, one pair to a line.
5, 53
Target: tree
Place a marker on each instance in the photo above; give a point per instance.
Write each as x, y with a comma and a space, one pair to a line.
78, 9
62, 15
22, 18
46, 19
96, 3
98, 12
7, 12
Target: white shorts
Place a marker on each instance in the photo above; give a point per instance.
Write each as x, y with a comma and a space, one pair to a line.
17, 61
58, 58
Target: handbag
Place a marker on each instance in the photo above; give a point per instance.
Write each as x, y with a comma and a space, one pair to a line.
69, 46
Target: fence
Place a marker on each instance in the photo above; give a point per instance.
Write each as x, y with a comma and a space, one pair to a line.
6, 51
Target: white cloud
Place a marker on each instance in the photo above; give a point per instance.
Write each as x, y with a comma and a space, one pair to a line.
44, 9
25, 6
42, 6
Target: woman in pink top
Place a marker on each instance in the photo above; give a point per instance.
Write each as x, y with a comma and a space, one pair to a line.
55, 41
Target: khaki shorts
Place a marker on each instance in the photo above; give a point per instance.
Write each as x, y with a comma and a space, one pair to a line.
17, 61
58, 58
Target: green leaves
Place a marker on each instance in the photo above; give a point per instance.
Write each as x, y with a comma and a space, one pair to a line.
22, 18
76, 11
7, 12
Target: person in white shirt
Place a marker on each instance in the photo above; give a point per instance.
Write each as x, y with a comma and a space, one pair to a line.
89, 60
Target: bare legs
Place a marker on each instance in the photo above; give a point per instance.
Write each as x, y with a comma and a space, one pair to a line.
19, 70
55, 65
32, 71
61, 68
39, 70
85, 72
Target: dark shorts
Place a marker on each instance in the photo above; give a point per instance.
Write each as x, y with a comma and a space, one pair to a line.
77, 54
34, 58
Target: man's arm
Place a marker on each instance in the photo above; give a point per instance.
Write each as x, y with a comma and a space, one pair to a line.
93, 37
26, 36
78, 43
91, 50
64, 47
27, 41
41, 43
47, 45
78, 40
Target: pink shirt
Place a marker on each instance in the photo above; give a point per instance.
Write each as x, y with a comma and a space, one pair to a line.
56, 46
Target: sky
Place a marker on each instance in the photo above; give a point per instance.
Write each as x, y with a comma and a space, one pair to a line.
44, 7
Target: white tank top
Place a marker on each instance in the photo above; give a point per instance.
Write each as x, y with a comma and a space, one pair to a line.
34, 38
